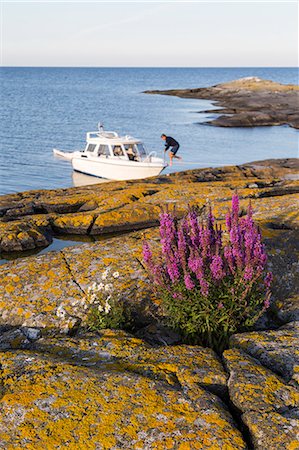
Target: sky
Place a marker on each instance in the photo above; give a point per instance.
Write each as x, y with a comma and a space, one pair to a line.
150, 34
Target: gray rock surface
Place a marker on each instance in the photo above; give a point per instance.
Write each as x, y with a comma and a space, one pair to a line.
269, 407
247, 102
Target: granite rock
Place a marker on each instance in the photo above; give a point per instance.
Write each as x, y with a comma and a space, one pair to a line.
276, 349
247, 102
49, 402
269, 407
30, 219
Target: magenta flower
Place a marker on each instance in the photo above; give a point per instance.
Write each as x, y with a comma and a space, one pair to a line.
217, 268
235, 207
268, 279
267, 302
204, 287
177, 295
195, 266
248, 273
146, 251
188, 282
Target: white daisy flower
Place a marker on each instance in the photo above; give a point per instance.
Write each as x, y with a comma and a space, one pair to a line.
115, 275
107, 307
60, 312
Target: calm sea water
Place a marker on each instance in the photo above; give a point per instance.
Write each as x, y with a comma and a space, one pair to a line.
43, 108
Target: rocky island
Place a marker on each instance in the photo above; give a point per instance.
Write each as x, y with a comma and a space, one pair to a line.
64, 386
247, 102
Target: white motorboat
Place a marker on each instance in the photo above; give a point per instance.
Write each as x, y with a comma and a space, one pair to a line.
108, 155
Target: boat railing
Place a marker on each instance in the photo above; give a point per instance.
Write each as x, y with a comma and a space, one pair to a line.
148, 156
103, 134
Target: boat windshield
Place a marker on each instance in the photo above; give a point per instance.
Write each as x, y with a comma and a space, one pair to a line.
131, 152
141, 150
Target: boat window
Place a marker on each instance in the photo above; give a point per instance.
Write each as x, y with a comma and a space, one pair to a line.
117, 150
141, 150
103, 150
131, 152
91, 147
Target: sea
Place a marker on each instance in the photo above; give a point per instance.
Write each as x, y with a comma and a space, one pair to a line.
45, 108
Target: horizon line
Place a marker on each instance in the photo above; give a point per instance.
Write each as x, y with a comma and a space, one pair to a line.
150, 67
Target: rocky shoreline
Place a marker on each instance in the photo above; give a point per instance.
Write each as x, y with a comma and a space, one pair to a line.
29, 220
62, 386
247, 102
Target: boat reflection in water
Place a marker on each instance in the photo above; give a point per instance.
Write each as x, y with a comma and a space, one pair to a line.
80, 179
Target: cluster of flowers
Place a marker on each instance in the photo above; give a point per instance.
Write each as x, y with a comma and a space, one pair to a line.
99, 295
193, 253
102, 304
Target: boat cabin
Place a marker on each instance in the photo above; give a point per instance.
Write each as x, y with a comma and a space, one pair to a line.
110, 145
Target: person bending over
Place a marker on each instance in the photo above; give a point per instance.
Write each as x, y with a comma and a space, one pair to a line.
173, 145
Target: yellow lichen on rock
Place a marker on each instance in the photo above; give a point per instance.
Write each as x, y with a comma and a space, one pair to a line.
276, 349
30, 219
48, 404
269, 406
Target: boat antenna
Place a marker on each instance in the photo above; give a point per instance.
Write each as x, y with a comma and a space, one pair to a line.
100, 126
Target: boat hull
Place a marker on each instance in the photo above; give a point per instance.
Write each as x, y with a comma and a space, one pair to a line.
117, 169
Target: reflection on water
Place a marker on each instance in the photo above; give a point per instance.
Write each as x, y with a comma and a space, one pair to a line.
59, 243
81, 179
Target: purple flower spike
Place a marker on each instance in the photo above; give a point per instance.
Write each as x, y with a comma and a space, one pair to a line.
248, 273
216, 267
267, 302
188, 282
228, 221
146, 251
204, 288
235, 206
268, 279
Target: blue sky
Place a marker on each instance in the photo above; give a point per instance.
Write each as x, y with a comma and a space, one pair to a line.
196, 34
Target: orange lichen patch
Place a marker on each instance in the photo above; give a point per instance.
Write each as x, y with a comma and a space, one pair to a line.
31, 291
73, 223
9, 288
253, 387
126, 218
58, 405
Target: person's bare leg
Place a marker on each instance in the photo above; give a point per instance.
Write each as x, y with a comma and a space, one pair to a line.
171, 155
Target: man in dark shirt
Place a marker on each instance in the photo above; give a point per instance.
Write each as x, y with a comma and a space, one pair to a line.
173, 145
